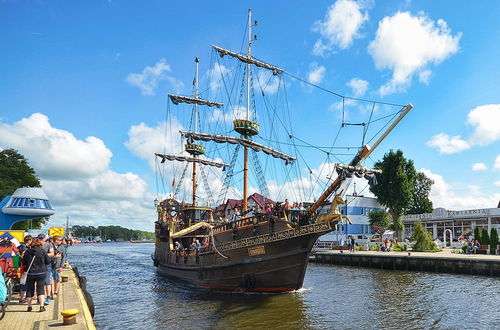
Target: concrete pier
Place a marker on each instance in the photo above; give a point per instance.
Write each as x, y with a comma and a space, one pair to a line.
439, 262
70, 296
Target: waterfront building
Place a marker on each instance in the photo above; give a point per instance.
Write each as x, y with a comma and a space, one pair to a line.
357, 208
454, 223
255, 200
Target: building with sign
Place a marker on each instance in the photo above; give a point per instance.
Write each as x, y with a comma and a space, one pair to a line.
454, 223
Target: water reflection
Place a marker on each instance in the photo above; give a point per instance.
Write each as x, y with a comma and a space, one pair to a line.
121, 279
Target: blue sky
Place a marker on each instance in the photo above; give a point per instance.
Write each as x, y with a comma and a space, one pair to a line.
77, 77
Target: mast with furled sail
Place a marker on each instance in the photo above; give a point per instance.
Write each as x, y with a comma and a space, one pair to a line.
195, 150
246, 127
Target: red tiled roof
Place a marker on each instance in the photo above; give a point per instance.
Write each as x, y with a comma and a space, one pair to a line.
258, 198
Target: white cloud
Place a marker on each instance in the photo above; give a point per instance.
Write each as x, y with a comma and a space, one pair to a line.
359, 86
215, 76
408, 44
236, 112
55, 153
448, 144
496, 166
443, 195
149, 78
497, 183
424, 76
479, 167
267, 82
484, 120
316, 73
76, 176
143, 141
340, 26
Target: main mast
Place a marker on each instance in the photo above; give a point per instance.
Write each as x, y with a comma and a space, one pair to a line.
245, 149
195, 127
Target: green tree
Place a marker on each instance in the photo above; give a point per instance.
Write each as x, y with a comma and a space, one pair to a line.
15, 172
420, 202
395, 185
493, 240
379, 221
485, 238
477, 234
423, 239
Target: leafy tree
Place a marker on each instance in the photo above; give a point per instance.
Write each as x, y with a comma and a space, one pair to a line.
423, 239
485, 238
115, 233
379, 221
493, 240
15, 172
420, 202
395, 185
477, 234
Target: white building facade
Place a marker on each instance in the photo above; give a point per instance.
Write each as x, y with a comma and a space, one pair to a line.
443, 222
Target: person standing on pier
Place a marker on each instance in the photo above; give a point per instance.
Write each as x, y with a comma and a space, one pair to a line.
36, 261
58, 261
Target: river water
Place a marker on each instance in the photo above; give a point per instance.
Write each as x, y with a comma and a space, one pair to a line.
128, 294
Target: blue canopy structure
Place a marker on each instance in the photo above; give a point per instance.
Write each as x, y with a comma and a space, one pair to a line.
25, 203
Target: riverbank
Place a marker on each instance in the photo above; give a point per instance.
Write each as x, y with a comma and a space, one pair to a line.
70, 296
438, 262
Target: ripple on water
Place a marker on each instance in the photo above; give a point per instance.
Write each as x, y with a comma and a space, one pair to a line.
128, 294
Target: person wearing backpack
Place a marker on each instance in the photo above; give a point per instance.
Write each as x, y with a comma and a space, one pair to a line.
36, 260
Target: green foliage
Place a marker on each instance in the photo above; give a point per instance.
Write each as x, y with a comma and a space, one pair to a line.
485, 238
401, 188
423, 239
420, 202
464, 248
398, 247
493, 240
114, 233
374, 247
477, 234
358, 248
379, 221
15, 172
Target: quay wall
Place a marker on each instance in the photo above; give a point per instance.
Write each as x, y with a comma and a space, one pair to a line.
412, 262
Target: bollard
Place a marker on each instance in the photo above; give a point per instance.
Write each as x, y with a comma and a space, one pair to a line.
64, 278
69, 316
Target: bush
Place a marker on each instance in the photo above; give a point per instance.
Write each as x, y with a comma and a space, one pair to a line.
464, 248
493, 240
423, 239
485, 238
358, 248
477, 234
398, 247
374, 247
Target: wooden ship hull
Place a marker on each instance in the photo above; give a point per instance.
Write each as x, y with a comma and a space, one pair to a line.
258, 259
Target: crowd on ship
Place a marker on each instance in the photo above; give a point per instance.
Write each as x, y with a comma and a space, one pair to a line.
42, 260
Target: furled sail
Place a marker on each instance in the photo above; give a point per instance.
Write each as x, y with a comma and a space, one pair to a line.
190, 159
176, 99
235, 140
245, 59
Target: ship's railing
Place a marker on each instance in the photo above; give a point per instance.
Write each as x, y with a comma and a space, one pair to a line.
232, 224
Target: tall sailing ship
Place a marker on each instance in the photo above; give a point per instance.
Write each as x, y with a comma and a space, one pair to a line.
253, 249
